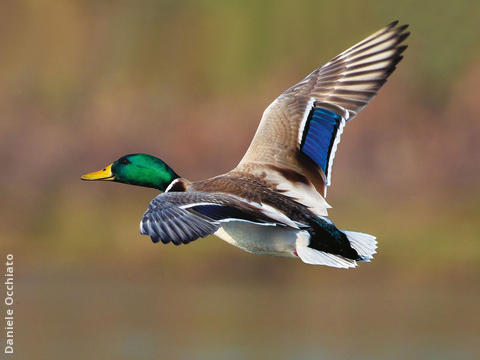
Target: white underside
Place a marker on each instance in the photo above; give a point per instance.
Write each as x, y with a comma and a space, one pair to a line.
262, 239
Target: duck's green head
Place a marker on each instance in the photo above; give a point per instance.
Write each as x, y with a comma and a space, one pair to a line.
136, 169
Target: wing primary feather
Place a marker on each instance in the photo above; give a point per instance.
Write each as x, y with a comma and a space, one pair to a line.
372, 37
365, 49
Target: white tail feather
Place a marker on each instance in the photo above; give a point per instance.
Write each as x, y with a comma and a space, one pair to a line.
364, 244
316, 257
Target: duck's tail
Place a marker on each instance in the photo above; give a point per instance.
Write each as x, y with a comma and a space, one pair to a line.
364, 245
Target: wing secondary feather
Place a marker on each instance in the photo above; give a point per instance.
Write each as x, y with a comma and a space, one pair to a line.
320, 137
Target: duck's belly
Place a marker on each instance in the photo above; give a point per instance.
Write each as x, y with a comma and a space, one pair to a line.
262, 239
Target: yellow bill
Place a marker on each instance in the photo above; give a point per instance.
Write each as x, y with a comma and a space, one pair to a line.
104, 174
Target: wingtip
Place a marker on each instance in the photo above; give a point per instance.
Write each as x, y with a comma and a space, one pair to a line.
392, 24
401, 49
402, 37
398, 29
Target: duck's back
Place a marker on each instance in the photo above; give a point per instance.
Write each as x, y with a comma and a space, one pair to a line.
253, 189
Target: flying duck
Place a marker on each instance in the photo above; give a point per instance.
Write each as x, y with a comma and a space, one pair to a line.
273, 202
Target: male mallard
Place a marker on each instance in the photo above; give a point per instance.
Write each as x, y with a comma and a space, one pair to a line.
273, 202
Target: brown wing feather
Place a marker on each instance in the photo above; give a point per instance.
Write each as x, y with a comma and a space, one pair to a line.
251, 189
345, 85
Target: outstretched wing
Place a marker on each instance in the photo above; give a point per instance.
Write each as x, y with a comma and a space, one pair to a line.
181, 217
301, 129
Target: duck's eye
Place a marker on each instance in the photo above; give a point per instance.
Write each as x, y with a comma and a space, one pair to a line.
125, 161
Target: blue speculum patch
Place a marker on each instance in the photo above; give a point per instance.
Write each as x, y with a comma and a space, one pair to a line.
319, 135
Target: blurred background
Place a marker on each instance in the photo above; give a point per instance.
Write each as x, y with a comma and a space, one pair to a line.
84, 82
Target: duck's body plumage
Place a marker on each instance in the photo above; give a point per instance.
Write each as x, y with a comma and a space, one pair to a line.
273, 202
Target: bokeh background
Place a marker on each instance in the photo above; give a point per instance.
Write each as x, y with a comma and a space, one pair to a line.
84, 82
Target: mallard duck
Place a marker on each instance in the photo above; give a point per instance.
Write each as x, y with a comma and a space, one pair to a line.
273, 202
